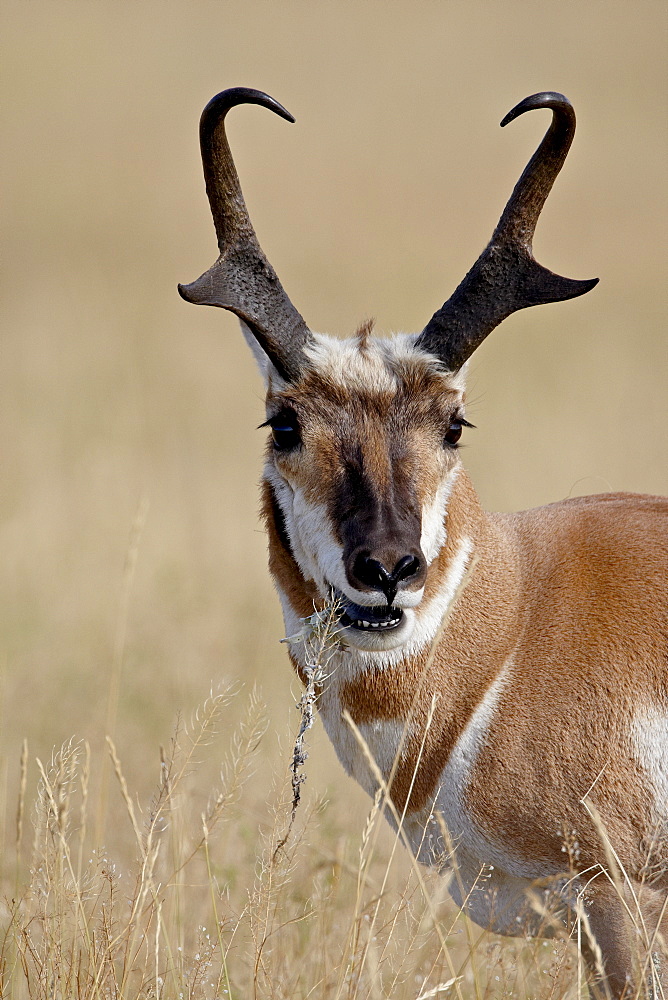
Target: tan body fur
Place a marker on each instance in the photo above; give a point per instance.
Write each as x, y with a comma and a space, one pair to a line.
552, 657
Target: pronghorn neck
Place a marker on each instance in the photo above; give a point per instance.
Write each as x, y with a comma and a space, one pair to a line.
390, 694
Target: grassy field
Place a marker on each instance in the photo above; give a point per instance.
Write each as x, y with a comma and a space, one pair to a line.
139, 649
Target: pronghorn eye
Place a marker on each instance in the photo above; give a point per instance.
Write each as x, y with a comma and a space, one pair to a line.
285, 431
454, 431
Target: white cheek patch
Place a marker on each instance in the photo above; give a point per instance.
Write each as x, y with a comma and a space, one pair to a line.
434, 532
295, 627
316, 550
312, 543
316, 540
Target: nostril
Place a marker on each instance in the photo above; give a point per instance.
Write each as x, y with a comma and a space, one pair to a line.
408, 566
372, 574
370, 571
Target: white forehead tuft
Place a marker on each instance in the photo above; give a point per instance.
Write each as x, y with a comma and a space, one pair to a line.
378, 364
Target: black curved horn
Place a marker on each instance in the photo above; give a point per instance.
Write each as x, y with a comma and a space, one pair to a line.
506, 277
242, 279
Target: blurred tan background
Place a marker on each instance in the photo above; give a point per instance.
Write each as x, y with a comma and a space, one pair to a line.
122, 404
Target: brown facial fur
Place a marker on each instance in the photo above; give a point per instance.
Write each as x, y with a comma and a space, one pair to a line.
378, 446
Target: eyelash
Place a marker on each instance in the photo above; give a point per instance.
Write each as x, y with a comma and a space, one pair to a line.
284, 430
455, 429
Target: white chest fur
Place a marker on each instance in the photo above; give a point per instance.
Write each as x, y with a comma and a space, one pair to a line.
382, 740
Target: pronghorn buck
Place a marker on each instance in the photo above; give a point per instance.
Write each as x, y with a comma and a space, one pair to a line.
508, 672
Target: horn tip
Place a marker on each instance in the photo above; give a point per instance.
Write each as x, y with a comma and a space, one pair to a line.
588, 284
545, 99
221, 103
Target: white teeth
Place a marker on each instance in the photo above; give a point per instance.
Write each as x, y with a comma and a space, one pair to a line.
364, 624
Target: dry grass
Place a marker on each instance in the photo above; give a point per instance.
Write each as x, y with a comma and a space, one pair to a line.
184, 904
133, 566
193, 910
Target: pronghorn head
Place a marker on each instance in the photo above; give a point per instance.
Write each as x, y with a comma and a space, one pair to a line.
363, 451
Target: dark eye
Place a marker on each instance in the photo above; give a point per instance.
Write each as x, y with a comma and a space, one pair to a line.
454, 431
285, 430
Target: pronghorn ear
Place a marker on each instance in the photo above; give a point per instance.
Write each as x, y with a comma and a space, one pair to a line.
268, 370
458, 379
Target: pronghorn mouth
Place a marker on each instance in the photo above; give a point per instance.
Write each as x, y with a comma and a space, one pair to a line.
365, 619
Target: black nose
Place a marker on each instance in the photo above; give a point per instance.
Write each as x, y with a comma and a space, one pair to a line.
372, 573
